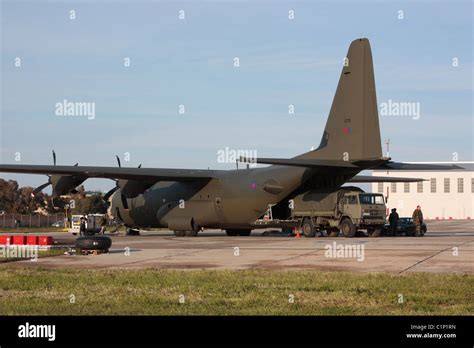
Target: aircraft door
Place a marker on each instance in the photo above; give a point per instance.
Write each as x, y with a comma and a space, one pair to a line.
218, 202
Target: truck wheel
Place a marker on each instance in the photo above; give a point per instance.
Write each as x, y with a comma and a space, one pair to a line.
179, 233
347, 228
93, 243
308, 228
191, 233
423, 231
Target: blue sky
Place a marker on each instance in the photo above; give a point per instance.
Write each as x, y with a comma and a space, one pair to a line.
190, 62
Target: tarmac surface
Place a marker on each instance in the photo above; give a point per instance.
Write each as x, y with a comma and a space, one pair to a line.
448, 247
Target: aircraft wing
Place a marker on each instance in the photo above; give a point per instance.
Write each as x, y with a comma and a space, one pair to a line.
370, 178
148, 174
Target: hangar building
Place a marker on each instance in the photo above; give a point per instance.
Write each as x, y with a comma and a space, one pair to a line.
446, 194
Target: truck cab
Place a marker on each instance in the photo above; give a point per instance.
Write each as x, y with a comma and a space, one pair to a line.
365, 210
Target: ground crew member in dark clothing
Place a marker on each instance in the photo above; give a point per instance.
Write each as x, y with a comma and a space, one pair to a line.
393, 219
82, 226
417, 220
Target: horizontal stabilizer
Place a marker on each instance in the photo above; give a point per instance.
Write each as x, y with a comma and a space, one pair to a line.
293, 162
370, 178
415, 166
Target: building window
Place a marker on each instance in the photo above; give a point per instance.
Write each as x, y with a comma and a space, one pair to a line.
446, 185
433, 185
380, 187
406, 187
394, 187
419, 187
460, 185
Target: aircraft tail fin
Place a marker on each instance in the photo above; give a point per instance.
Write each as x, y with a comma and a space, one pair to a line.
352, 130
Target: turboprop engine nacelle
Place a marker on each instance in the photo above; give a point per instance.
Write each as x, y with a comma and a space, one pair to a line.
133, 188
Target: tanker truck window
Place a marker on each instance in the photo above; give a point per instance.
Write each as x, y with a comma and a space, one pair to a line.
371, 199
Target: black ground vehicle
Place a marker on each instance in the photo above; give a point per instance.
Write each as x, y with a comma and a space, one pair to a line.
405, 227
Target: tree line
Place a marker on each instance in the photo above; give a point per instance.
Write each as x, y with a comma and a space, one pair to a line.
19, 200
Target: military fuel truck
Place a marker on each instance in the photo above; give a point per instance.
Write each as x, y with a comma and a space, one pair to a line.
346, 210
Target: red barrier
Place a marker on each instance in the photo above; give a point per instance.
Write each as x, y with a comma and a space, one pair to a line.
32, 240
19, 240
45, 240
6, 240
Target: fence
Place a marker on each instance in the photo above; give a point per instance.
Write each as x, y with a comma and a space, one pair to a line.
11, 220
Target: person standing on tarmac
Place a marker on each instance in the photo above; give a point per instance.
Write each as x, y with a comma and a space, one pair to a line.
393, 220
103, 223
82, 226
417, 220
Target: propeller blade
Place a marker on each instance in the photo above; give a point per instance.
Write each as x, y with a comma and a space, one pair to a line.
110, 193
39, 188
54, 203
54, 157
118, 161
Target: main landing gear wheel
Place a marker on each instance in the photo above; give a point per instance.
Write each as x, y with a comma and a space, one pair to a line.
245, 233
235, 232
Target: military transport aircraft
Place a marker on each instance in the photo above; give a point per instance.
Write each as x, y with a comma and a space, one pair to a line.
189, 200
